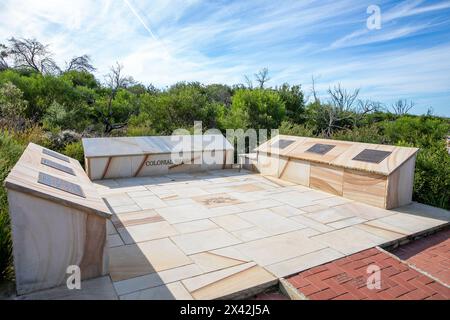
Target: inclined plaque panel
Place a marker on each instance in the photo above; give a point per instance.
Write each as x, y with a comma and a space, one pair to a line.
320, 148
60, 184
372, 156
55, 155
57, 166
282, 143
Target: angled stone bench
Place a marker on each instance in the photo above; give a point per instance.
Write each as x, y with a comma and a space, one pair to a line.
58, 220
379, 175
122, 157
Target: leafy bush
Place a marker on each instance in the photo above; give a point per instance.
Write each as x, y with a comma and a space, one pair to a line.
178, 107
33, 134
256, 109
418, 131
289, 128
140, 131
432, 176
58, 140
75, 150
12, 104
10, 152
367, 134
6, 263
55, 116
293, 99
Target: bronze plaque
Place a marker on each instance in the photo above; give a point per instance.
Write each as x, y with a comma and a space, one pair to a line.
55, 155
372, 156
60, 184
282, 143
57, 166
320, 148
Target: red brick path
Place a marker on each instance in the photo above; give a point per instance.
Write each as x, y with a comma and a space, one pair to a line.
346, 278
431, 255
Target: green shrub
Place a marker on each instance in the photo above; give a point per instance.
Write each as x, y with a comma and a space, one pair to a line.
10, 152
12, 105
6, 260
432, 177
432, 174
367, 134
33, 134
289, 128
75, 150
140, 131
255, 109
421, 132
294, 101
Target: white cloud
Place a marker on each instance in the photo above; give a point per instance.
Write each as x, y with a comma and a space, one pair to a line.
391, 27
162, 41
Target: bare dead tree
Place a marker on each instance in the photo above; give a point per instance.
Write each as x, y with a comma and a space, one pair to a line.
333, 117
81, 63
343, 99
262, 77
340, 109
313, 89
248, 81
402, 107
114, 81
31, 54
367, 106
363, 108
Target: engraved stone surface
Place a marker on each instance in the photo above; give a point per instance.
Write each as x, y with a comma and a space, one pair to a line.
372, 156
55, 155
282, 143
320, 148
60, 184
57, 166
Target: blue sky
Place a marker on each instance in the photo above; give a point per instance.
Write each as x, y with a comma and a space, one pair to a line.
162, 41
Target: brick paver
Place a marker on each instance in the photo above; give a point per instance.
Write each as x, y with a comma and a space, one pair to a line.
430, 254
346, 279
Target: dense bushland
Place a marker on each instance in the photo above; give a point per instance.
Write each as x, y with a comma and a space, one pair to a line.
56, 107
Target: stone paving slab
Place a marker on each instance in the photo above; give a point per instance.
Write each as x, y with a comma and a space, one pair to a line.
225, 224
94, 289
230, 233
204, 241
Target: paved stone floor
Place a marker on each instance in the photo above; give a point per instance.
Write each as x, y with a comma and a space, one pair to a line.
346, 279
227, 233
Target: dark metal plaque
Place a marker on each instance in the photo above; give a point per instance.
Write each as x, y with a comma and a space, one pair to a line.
282, 143
372, 156
320, 148
55, 155
57, 166
60, 184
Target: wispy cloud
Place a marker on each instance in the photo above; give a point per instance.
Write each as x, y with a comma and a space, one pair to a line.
144, 24
365, 36
162, 41
393, 25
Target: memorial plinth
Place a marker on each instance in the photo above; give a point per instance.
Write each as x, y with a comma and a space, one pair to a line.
57, 218
379, 175
123, 157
